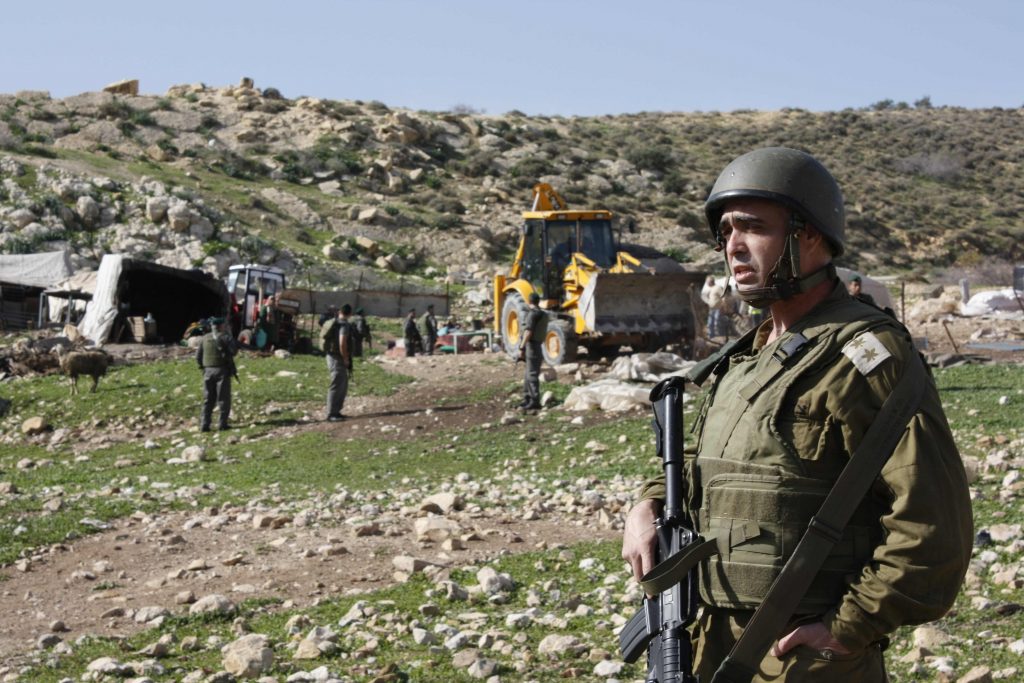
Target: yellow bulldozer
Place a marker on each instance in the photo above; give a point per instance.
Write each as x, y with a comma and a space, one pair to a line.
598, 293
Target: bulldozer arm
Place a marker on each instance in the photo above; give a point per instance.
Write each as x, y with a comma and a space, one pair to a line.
637, 303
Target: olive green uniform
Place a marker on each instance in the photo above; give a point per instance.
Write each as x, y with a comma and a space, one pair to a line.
536, 323
429, 333
215, 357
779, 422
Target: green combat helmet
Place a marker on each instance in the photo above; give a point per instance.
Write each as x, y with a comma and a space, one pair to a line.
798, 181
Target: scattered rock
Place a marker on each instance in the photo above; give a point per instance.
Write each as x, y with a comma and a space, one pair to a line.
212, 604
34, 425
248, 657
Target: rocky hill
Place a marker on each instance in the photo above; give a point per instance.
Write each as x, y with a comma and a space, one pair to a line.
208, 177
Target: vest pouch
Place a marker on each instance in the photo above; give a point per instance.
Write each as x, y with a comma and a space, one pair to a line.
212, 355
760, 519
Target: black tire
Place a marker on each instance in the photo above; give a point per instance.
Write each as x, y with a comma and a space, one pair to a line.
513, 316
561, 343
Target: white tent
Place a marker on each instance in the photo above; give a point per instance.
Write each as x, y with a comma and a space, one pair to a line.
34, 270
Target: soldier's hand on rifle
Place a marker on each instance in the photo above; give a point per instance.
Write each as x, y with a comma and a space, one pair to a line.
638, 539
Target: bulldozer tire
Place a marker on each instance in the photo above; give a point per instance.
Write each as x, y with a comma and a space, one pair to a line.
513, 316
560, 343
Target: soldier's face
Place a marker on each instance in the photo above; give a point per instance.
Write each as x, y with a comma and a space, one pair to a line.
755, 236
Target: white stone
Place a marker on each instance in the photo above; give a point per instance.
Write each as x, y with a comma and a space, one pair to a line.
607, 668
214, 603
556, 645
492, 582
249, 656
156, 209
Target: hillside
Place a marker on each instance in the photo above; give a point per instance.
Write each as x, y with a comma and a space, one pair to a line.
208, 177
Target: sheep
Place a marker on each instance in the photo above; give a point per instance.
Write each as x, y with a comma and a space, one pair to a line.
75, 363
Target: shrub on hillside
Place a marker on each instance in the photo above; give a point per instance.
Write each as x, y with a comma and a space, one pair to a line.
647, 157
938, 165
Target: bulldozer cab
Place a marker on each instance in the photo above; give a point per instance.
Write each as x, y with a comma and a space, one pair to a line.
549, 246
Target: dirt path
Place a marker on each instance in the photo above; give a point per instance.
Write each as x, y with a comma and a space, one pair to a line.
98, 584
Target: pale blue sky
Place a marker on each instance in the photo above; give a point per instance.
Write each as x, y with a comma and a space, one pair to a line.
555, 57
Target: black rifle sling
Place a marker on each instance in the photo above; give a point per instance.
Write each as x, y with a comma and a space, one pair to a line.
825, 528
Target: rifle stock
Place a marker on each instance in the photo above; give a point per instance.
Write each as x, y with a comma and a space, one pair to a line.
662, 624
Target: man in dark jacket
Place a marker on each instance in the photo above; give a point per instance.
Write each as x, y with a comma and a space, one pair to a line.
338, 351
412, 334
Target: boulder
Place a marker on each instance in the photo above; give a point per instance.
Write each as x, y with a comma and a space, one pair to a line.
201, 228
34, 425
434, 528
248, 657
21, 217
125, 87
557, 645
156, 209
371, 215
441, 503
179, 216
367, 245
212, 604
88, 210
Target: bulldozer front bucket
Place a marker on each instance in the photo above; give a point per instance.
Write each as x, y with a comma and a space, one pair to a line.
632, 303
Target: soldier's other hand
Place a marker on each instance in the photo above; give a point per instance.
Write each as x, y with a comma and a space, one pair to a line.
814, 636
638, 539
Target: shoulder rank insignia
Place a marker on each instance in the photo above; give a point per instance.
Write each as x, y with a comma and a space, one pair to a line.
866, 352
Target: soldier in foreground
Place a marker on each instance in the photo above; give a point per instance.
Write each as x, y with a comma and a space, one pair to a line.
789, 404
530, 350
216, 358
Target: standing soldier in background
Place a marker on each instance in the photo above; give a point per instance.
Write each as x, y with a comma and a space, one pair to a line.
854, 288
361, 333
535, 328
337, 347
429, 331
411, 334
790, 405
216, 358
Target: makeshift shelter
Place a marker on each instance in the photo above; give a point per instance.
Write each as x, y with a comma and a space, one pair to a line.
23, 278
66, 301
128, 289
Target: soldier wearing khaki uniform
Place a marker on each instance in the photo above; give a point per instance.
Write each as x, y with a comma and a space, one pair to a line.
787, 405
216, 359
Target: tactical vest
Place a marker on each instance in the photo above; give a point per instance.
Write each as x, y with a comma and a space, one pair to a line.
537, 322
213, 355
758, 500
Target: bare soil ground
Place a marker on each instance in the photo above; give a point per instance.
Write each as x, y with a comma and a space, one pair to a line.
95, 584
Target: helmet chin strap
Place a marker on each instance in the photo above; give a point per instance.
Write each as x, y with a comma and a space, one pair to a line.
784, 281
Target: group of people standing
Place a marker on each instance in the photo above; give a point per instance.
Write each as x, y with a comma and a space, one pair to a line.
416, 342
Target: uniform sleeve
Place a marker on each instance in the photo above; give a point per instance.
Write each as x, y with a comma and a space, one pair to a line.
916, 571
199, 354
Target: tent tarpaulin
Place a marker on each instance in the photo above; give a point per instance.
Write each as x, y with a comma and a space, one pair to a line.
175, 297
34, 270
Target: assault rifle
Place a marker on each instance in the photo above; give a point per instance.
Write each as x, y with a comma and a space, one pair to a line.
661, 625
